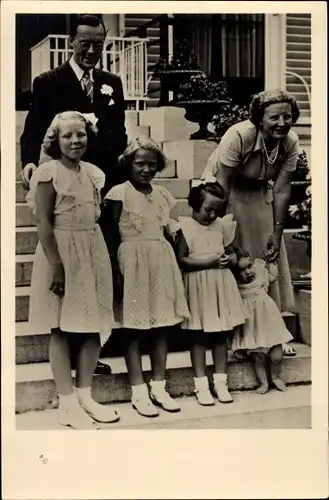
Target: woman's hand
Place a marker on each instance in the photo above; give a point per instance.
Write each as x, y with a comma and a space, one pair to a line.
272, 251
58, 283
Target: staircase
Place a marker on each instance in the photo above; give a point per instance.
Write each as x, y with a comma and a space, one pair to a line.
133, 22
35, 388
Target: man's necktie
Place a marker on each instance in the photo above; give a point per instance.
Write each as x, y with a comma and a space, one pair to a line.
87, 85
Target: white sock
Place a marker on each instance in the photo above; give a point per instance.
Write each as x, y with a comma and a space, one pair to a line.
220, 377
84, 394
67, 401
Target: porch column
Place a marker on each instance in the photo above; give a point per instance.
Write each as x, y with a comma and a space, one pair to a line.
112, 24
275, 51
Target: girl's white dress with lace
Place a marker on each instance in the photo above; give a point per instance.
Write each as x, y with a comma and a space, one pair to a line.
87, 302
264, 327
212, 294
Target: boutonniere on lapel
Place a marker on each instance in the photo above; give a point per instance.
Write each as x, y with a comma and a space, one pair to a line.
108, 90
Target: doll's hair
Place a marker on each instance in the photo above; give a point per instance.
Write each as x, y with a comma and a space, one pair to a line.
136, 144
263, 99
197, 194
50, 144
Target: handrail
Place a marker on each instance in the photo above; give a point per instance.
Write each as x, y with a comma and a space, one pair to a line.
296, 75
143, 27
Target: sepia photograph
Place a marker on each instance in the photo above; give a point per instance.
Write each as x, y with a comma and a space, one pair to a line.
164, 263
163, 221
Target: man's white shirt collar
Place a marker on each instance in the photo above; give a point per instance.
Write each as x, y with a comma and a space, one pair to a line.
79, 71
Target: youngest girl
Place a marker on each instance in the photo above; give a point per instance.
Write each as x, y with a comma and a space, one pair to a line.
264, 331
204, 253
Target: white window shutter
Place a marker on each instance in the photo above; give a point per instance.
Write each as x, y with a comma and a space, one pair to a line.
298, 61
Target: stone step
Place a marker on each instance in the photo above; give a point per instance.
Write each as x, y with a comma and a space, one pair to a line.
20, 192
23, 269
26, 240
35, 389
24, 215
274, 410
33, 348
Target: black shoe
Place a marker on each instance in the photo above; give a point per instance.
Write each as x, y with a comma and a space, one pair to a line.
102, 369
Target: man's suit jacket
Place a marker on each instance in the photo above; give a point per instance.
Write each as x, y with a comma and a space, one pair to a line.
59, 90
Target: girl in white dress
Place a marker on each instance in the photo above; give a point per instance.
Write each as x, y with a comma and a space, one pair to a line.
71, 288
264, 331
205, 255
146, 268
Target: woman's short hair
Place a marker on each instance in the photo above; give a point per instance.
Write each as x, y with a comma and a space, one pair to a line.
197, 194
50, 144
263, 99
145, 143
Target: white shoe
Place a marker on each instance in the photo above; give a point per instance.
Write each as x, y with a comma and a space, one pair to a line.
141, 401
221, 388
161, 397
98, 412
202, 391
76, 418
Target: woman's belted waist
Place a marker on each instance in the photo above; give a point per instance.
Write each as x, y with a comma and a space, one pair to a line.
244, 183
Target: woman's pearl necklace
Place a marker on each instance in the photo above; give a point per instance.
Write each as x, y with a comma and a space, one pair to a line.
269, 157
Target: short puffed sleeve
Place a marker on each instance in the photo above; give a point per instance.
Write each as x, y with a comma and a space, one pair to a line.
117, 193
230, 148
167, 203
293, 150
186, 225
228, 228
44, 173
96, 175
261, 270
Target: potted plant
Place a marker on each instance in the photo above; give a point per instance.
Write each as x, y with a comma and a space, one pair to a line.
302, 212
179, 68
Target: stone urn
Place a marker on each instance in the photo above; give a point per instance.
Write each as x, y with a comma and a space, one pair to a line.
201, 112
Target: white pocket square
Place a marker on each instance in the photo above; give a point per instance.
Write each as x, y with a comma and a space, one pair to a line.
111, 102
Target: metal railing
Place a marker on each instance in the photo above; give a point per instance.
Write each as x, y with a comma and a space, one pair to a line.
288, 72
126, 57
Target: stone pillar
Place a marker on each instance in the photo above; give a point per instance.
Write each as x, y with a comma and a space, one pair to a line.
111, 22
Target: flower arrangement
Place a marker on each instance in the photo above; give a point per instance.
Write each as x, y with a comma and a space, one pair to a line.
229, 115
302, 211
201, 88
182, 59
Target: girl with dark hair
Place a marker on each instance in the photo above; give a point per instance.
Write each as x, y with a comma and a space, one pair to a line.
205, 255
254, 162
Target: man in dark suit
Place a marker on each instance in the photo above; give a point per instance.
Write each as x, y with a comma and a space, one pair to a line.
77, 85
65, 88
